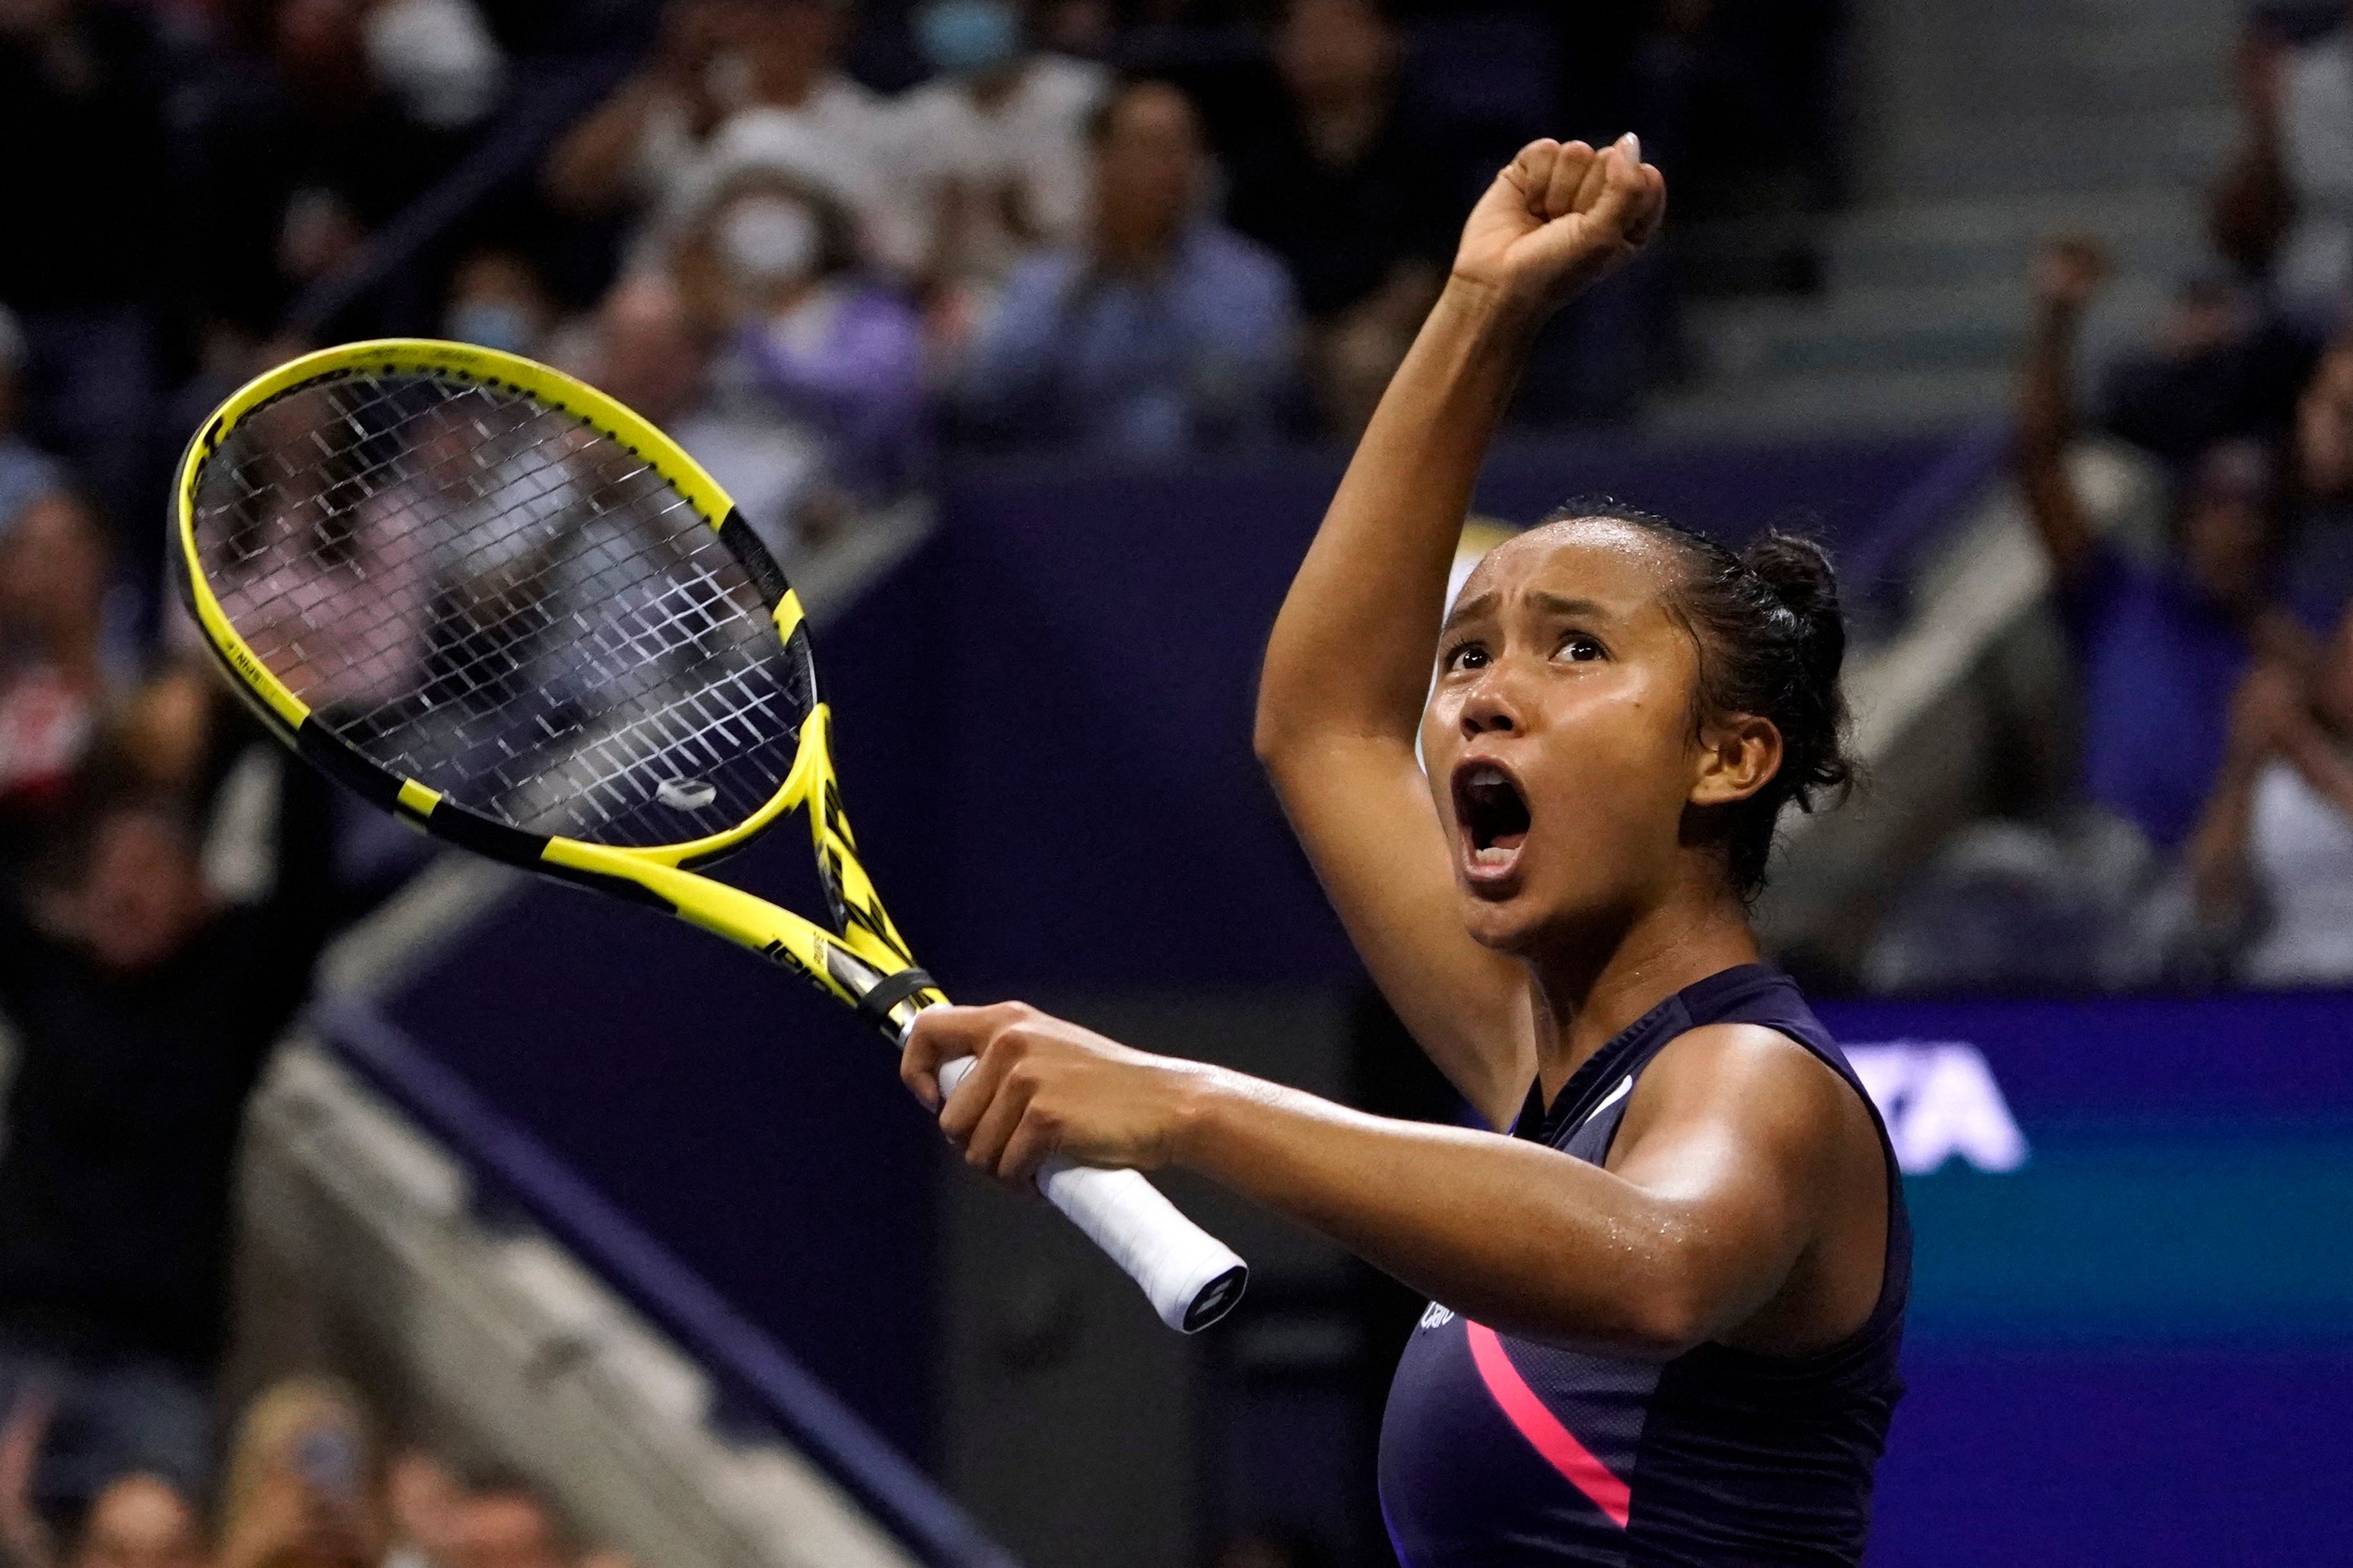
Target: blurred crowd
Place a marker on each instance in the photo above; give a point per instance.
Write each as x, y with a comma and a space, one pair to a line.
822, 243
307, 1483
2210, 838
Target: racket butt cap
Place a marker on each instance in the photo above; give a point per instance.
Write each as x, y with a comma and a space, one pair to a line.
1216, 1298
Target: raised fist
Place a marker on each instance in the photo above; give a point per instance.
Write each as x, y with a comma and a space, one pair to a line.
1559, 218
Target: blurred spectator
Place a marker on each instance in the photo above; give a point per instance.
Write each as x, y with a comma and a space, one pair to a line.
1356, 191
2160, 646
143, 1014
438, 57
26, 471
140, 1522
82, 188
425, 1504
992, 154
718, 58
56, 674
2288, 202
2272, 864
318, 130
769, 267
1163, 331
497, 301
646, 349
2223, 366
303, 1483
2320, 566
503, 1524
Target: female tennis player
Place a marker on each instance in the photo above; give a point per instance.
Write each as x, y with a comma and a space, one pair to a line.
1666, 1301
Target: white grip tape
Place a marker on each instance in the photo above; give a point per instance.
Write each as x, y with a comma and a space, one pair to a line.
1189, 1276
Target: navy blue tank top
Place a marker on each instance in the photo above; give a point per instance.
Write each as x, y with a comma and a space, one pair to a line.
1497, 1451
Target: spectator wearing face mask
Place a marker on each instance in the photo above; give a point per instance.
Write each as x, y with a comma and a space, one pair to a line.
808, 338
643, 150
496, 300
1160, 331
992, 153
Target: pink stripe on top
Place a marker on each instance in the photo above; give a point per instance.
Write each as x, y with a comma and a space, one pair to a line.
1543, 1429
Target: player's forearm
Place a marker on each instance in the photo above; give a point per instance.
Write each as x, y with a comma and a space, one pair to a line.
1351, 650
1519, 1237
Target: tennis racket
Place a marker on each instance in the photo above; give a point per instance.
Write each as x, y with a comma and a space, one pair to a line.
500, 606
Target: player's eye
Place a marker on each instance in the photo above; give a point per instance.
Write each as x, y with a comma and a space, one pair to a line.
1465, 656
1578, 649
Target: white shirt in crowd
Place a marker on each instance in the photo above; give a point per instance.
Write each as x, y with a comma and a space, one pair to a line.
850, 121
1034, 140
439, 57
2300, 850
2317, 145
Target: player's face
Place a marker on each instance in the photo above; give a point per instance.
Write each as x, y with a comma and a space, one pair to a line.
1559, 737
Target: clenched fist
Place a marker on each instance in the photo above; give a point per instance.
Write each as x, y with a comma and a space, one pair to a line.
1041, 1086
1558, 218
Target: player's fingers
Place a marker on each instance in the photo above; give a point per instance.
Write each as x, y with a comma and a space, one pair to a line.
1653, 212
1588, 187
941, 1035
1531, 171
1622, 185
986, 1144
969, 1100
1033, 1142
1569, 172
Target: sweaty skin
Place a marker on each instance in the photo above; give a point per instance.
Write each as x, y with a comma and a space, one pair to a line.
1744, 1198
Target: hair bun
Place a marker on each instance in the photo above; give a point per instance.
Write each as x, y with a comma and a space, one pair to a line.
1798, 571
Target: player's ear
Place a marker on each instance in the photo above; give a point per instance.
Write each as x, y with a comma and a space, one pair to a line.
1738, 755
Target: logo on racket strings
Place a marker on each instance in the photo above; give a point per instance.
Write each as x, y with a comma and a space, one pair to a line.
685, 795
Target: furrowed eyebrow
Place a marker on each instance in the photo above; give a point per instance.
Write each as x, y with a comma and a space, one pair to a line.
1468, 609
1586, 609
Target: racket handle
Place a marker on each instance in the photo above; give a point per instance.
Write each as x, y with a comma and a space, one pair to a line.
1190, 1277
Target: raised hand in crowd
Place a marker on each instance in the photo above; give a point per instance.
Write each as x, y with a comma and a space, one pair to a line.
2068, 275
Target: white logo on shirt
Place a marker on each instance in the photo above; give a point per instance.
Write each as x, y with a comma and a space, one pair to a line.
1436, 1317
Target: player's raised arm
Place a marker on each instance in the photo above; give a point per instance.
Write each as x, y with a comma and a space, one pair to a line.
1349, 663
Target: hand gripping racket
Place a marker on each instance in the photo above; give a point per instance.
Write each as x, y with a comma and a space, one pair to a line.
500, 606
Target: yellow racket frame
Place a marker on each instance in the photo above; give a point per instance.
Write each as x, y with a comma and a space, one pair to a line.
849, 963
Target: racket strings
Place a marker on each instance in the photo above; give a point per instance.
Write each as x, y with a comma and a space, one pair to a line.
478, 591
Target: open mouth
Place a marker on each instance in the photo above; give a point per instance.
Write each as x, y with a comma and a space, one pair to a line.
1491, 814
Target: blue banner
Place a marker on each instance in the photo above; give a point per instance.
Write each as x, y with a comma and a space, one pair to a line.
2132, 1337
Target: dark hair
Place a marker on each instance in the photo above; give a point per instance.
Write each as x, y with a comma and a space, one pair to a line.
1771, 641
